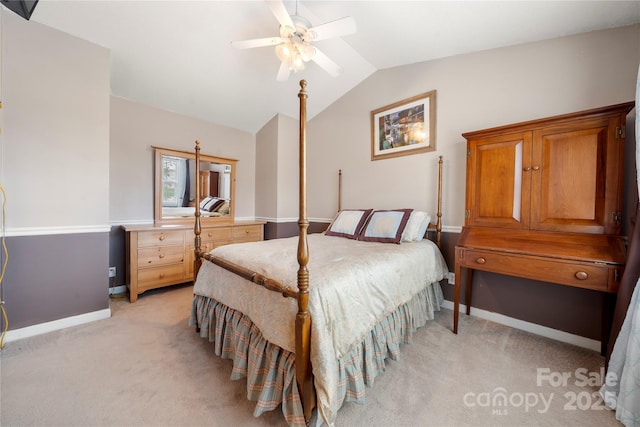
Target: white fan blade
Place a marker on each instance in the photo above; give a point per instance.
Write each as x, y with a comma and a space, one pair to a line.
337, 28
246, 44
281, 14
325, 62
283, 72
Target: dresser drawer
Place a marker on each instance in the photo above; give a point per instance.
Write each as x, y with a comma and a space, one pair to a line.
160, 255
566, 272
150, 277
160, 238
219, 234
247, 233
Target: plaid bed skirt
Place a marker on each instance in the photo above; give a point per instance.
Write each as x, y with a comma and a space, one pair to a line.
270, 370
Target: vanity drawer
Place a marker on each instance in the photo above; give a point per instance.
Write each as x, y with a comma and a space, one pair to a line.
247, 233
566, 272
149, 277
160, 238
160, 255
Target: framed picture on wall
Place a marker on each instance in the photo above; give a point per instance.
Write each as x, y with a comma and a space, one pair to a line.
405, 127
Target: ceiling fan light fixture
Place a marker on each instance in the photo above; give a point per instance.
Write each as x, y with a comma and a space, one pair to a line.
294, 46
283, 51
297, 64
307, 52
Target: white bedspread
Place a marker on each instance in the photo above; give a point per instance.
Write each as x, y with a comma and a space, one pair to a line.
353, 285
185, 212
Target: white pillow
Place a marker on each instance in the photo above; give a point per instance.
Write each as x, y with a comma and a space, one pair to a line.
416, 227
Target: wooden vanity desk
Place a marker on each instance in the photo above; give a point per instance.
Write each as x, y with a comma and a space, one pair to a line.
543, 202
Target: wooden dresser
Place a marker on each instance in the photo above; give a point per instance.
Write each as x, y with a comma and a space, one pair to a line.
543, 201
160, 256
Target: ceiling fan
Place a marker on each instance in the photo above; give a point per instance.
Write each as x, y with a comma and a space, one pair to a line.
295, 46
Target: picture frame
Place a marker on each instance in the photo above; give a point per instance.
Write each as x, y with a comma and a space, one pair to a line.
405, 127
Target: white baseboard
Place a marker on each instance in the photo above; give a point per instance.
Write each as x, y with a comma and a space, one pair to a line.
43, 328
544, 331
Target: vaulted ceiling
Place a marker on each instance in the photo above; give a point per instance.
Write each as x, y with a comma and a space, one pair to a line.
177, 54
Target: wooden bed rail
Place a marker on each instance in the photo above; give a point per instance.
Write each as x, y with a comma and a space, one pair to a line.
252, 276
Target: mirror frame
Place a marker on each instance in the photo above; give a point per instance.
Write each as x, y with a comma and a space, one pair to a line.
157, 201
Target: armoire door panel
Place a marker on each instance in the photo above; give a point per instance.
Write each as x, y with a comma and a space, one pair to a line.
568, 179
499, 183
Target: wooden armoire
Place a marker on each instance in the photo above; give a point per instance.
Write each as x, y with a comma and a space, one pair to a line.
544, 200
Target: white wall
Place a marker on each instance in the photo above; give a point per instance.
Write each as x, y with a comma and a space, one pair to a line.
55, 138
136, 127
474, 91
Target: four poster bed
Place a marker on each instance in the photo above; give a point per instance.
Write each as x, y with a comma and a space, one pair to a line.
364, 298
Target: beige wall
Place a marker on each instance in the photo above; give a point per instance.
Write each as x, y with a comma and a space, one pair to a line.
55, 135
277, 170
136, 127
288, 167
266, 170
474, 91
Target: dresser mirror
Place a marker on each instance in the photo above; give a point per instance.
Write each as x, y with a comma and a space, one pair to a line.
175, 187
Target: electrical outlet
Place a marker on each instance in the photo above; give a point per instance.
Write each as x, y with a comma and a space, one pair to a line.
451, 277
112, 272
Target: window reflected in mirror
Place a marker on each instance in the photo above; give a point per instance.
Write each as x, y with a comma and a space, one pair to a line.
176, 187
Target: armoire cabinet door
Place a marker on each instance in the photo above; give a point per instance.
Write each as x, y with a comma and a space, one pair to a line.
498, 189
574, 178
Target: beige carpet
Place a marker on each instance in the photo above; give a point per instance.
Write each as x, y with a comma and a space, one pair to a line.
146, 367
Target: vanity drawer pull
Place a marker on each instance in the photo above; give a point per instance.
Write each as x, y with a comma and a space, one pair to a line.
481, 260
209, 234
162, 237
582, 275
161, 256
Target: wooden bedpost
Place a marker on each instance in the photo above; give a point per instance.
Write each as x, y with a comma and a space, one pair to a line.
303, 318
197, 229
439, 213
339, 190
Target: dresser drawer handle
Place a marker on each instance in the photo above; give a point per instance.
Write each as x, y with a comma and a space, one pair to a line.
162, 275
161, 256
162, 237
246, 231
481, 260
210, 234
582, 275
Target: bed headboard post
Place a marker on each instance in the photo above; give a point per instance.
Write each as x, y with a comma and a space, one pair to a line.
303, 318
339, 190
197, 228
439, 213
